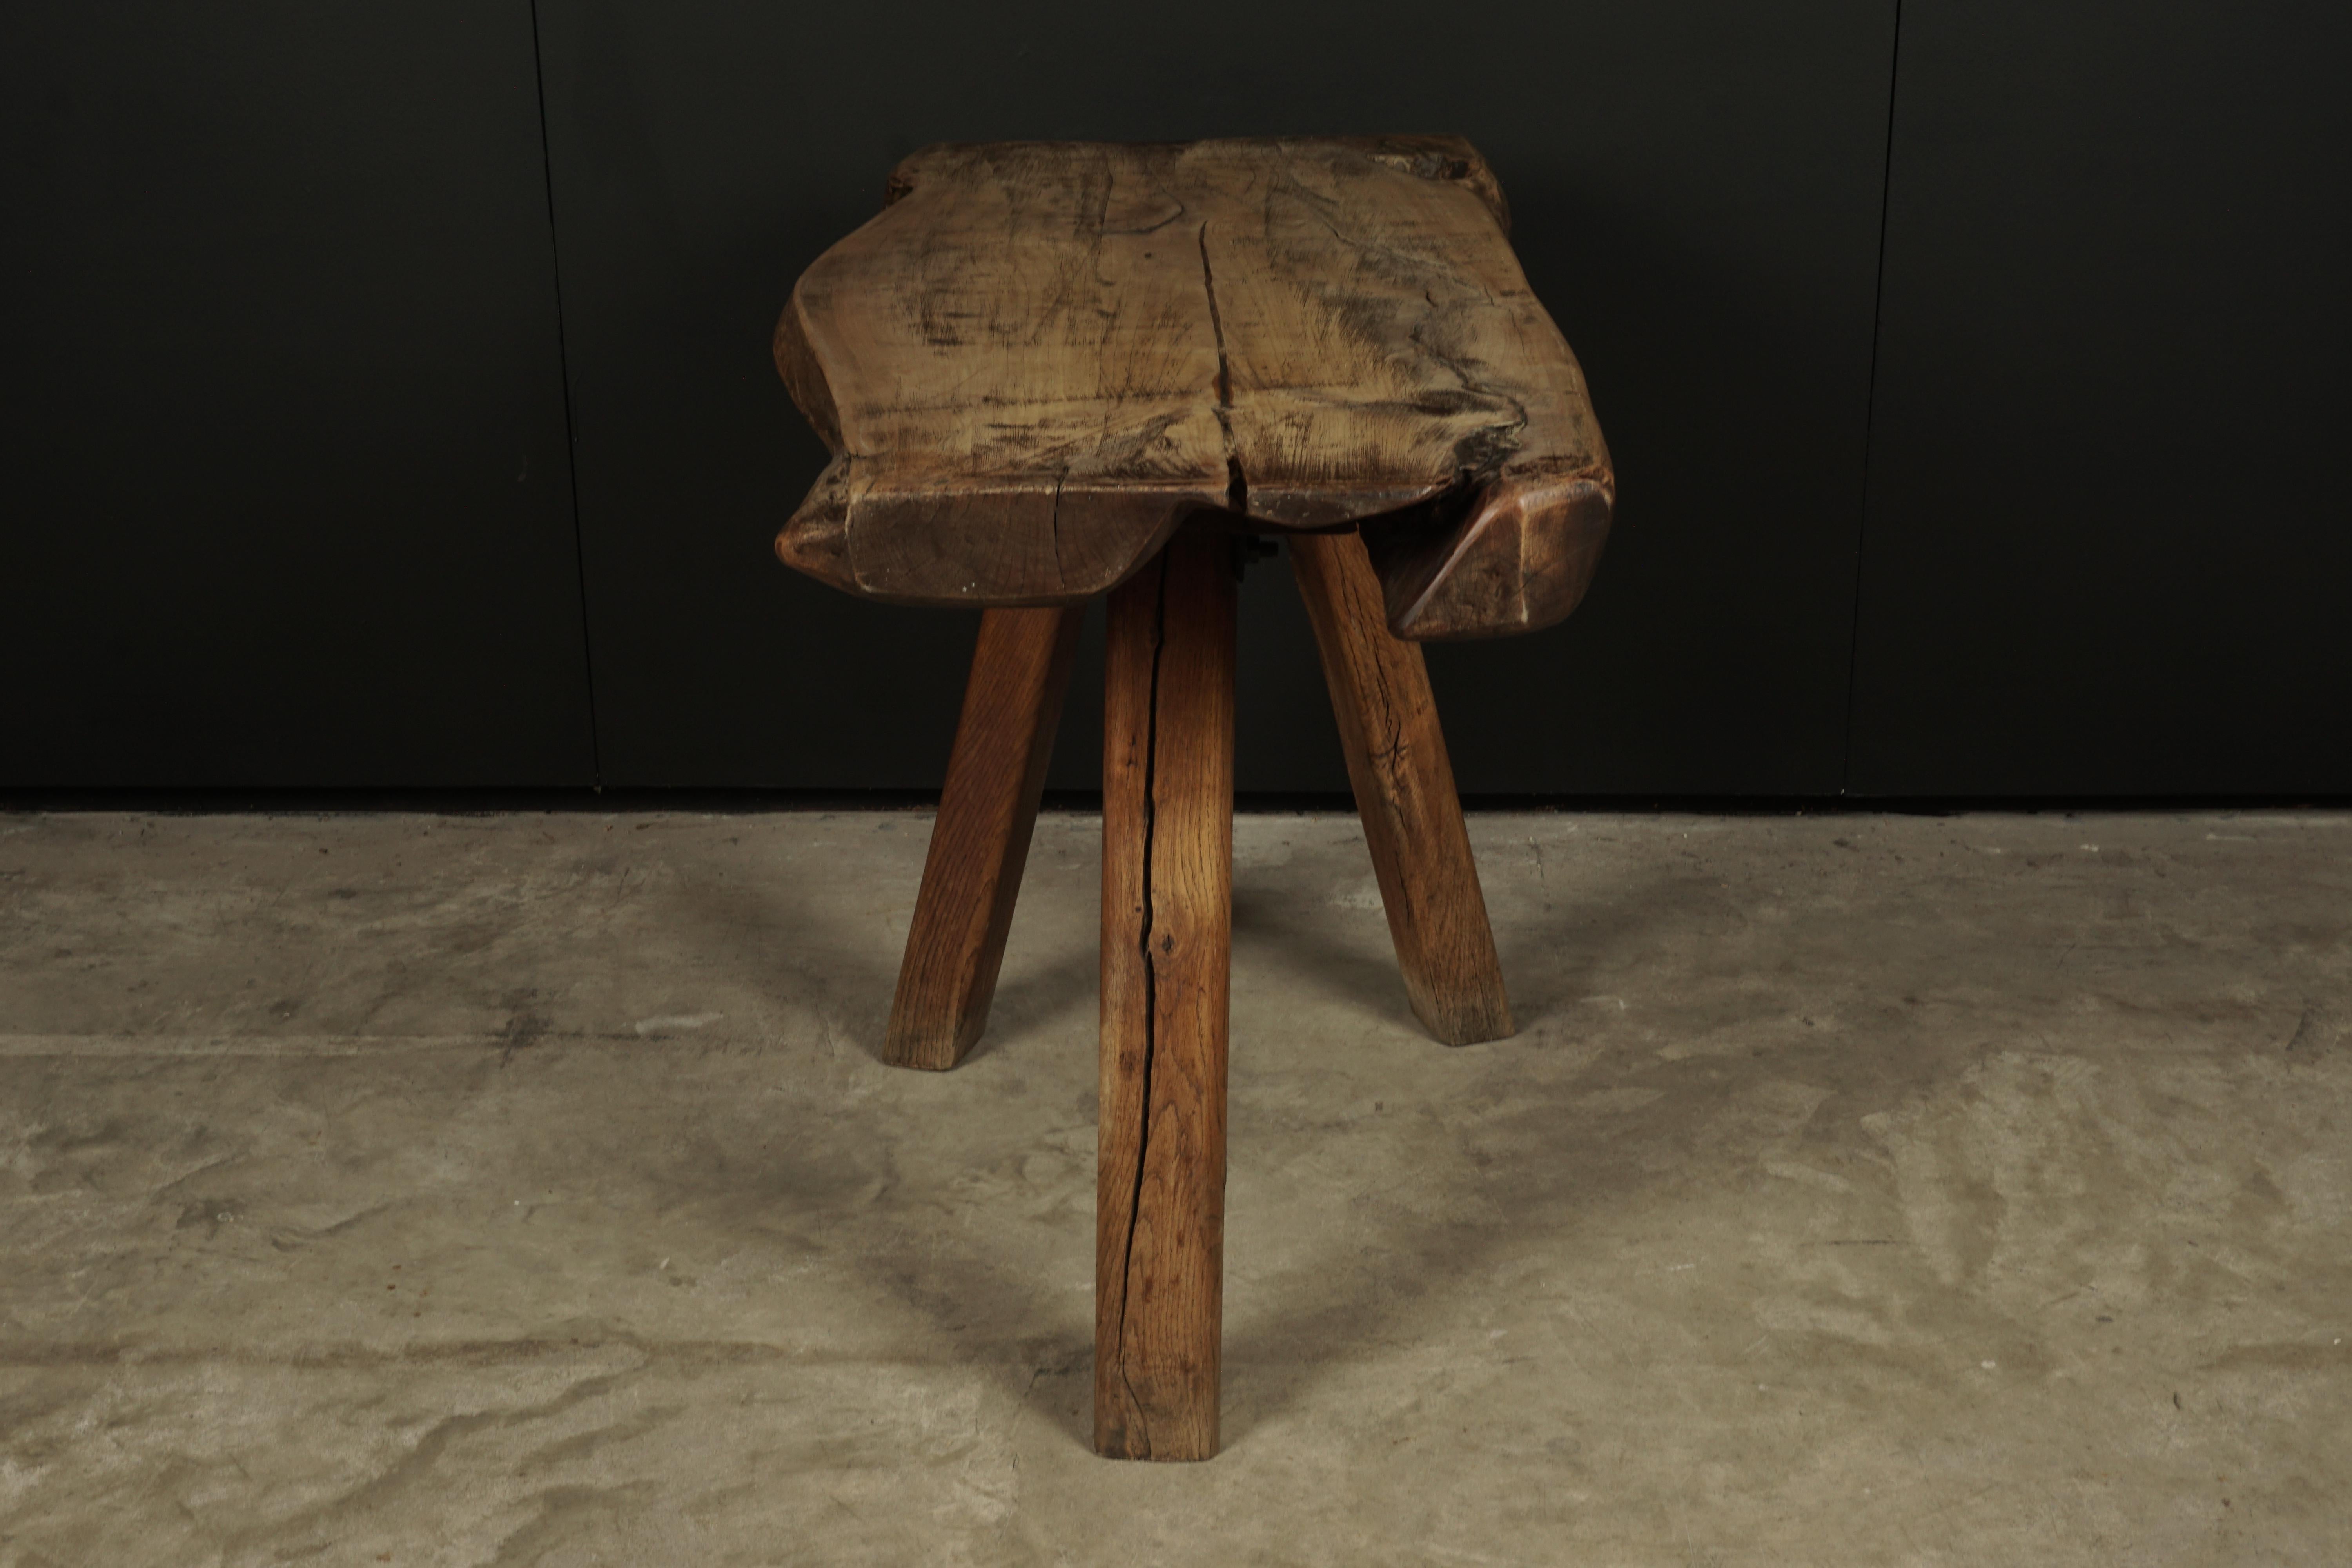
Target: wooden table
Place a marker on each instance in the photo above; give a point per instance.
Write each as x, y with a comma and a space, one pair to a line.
1048, 371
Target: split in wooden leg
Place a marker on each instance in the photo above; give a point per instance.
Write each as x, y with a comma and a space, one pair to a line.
1168, 791
996, 775
1404, 792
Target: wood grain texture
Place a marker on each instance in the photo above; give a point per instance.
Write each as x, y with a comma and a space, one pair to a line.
1167, 943
971, 876
1404, 792
1041, 357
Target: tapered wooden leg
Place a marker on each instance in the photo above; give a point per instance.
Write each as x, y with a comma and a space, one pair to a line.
1404, 792
996, 775
1168, 854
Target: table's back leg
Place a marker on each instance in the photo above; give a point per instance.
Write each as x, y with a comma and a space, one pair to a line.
1168, 853
1404, 792
996, 775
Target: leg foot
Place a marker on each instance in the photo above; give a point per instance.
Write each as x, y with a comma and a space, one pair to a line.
1168, 793
979, 843
1404, 792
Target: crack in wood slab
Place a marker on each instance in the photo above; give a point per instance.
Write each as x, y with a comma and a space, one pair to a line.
1149, 975
1237, 479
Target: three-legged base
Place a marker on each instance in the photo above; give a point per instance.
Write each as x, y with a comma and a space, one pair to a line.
1167, 916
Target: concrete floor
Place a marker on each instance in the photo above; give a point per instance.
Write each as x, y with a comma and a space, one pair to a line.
521, 1189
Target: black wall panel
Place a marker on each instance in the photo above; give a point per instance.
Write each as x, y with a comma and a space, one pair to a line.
286, 485
2108, 548
282, 420
1696, 188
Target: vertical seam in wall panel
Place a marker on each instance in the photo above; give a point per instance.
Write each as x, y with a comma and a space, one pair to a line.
571, 433
1869, 406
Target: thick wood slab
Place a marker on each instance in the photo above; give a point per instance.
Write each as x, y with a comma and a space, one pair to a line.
1404, 792
1167, 942
980, 842
1041, 357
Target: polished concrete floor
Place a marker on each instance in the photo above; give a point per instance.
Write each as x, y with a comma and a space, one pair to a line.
523, 1189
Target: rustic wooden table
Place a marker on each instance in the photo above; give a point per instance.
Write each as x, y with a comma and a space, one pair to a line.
1048, 371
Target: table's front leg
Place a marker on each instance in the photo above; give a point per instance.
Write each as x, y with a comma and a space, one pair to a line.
1168, 837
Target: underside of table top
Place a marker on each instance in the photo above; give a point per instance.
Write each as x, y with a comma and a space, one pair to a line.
1040, 358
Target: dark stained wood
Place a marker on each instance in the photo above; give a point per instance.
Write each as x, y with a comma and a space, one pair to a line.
1042, 357
1404, 792
1168, 780
996, 775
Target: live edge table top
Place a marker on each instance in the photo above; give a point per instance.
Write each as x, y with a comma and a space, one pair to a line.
1040, 358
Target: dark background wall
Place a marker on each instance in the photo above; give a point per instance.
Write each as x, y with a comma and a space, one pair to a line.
284, 493
1971, 377
2109, 543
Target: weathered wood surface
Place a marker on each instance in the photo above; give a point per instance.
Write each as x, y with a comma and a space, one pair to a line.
980, 841
1040, 357
1404, 792
1167, 914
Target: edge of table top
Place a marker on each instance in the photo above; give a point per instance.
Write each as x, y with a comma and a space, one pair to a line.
1497, 534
